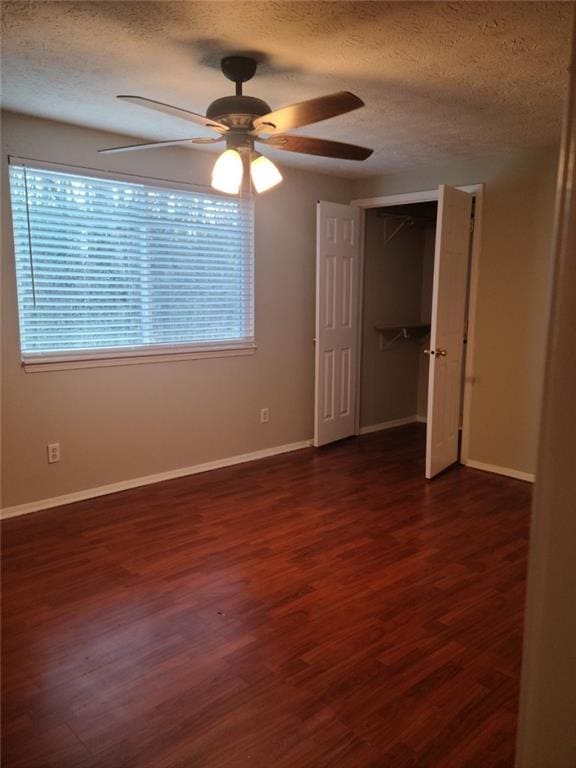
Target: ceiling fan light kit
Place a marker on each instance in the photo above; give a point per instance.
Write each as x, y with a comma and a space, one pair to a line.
228, 172
263, 172
243, 120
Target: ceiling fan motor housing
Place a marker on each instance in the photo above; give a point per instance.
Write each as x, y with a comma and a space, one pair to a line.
237, 111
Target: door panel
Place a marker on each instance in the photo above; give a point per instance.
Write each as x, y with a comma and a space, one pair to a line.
337, 264
447, 331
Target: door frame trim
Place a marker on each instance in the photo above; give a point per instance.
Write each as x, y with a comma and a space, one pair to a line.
425, 196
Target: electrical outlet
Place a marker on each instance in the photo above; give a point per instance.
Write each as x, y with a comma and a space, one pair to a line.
264, 416
53, 450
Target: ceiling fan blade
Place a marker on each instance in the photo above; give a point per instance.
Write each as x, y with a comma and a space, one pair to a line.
307, 145
307, 112
168, 109
156, 144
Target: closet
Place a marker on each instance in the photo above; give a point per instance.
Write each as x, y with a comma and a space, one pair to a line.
396, 314
391, 316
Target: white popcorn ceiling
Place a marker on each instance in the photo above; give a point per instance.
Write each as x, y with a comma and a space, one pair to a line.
441, 81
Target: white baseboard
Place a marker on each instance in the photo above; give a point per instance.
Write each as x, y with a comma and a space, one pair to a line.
496, 470
388, 424
136, 482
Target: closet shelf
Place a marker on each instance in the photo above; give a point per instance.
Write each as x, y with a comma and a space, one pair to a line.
393, 333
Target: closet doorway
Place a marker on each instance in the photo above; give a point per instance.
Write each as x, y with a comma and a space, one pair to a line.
396, 284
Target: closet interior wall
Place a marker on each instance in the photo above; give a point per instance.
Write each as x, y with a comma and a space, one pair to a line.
398, 273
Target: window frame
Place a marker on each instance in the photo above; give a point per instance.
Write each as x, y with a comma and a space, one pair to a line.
153, 353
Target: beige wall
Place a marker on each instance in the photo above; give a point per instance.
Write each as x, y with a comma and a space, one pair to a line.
130, 421
512, 294
546, 733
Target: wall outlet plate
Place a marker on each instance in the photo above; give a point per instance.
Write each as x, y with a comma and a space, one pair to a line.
53, 451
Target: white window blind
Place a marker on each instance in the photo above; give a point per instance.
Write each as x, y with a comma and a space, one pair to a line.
115, 267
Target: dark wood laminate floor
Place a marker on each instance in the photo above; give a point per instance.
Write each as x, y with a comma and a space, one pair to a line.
321, 608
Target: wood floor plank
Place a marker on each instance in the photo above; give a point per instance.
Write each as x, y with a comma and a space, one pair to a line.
321, 608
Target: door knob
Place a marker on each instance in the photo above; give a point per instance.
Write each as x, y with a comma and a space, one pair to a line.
441, 352
428, 351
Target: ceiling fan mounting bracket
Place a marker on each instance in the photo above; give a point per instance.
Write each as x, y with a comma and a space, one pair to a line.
239, 69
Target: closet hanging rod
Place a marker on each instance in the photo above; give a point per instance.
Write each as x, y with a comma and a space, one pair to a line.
406, 217
404, 220
400, 227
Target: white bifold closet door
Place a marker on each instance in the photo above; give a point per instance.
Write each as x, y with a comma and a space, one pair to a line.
447, 331
337, 292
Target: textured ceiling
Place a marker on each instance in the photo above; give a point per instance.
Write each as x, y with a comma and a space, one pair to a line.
440, 80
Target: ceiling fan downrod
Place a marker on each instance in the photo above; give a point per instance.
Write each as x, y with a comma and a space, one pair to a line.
239, 69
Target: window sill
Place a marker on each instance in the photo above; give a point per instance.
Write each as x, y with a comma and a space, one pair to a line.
134, 358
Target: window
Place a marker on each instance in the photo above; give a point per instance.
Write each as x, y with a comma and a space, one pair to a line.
109, 268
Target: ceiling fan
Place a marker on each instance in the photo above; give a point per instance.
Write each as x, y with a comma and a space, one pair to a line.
241, 121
